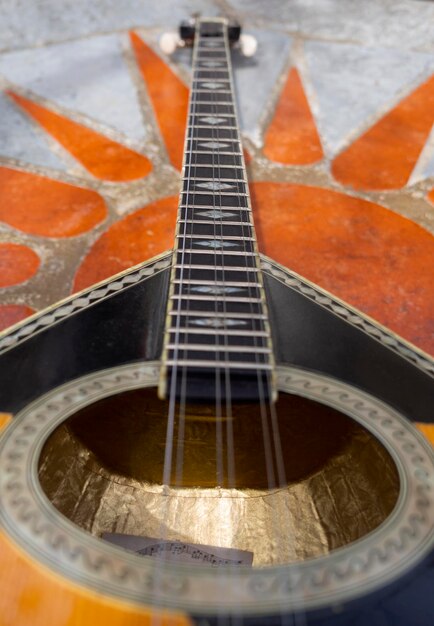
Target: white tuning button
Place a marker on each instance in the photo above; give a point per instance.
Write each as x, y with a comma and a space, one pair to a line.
248, 45
169, 42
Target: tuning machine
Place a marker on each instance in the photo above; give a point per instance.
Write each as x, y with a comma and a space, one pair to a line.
170, 41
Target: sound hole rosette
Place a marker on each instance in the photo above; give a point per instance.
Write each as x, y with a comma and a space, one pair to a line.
365, 566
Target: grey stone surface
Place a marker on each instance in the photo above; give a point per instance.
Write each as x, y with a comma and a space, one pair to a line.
397, 23
89, 76
354, 85
20, 140
27, 23
255, 78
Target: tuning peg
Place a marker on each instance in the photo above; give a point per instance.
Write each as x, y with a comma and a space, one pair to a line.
168, 42
248, 45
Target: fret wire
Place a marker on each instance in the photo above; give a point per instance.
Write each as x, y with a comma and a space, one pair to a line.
220, 364
221, 237
208, 127
218, 139
213, 179
214, 104
215, 207
221, 315
220, 115
197, 192
216, 283
225, 223
211, 91
220, 152
205, 298
218, 268
198, 347
228, 167
218, 331
217, 252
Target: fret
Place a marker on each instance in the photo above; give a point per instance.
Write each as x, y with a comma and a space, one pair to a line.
216, 180
213, 79
221, 315
193, 298
257, 335
201, 116
204, 67
224, 170
214, 207
193, 307
212, 92
221, 105
219, 348
221, 196
205, 237
224, 189
224, 135
228, 174
215, 246
214, 223
250, 341
219, 158
212, 283
215, 145
219, 201
208, 363
206, 108
260, 334
217, 268
215, 96
225, 253
212, 127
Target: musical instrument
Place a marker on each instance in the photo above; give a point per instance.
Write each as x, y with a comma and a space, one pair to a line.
276, 478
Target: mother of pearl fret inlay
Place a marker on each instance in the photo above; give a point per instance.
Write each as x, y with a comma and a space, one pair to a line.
216, 215
216, 322
217, 290
212, 85
214, 145
211, 63
216, 244
211, 119
215, 186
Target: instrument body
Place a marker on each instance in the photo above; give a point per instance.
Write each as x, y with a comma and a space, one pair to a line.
125, 321
70, 370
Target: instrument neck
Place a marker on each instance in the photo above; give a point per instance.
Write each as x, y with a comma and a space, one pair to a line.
217, 340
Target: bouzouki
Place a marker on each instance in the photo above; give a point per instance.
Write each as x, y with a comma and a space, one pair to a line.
208, 438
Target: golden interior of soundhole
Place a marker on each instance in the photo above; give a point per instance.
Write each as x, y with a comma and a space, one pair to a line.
103, 469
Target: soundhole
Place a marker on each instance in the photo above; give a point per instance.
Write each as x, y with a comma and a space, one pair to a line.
285, 487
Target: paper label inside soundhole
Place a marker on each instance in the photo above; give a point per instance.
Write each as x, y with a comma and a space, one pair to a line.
181, 552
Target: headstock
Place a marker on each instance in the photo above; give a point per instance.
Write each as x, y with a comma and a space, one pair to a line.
170, 41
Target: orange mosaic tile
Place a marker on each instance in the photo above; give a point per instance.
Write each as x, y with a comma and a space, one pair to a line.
369, 256
34, 595
292, 137
384, 156
5, 418
427, 430
169, 97
430, 196
17, 264
40, 206
104, 158
13, 313
135, 238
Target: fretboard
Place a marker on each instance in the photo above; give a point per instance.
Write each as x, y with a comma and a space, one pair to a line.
217, 340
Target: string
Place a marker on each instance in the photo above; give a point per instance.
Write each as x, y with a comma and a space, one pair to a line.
271, 440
